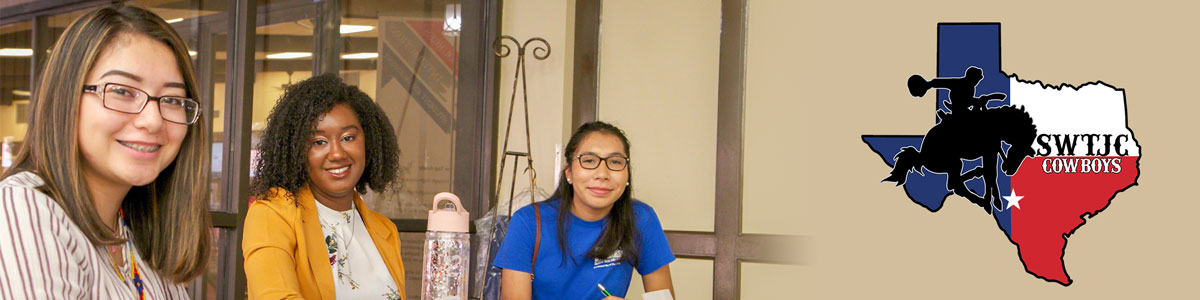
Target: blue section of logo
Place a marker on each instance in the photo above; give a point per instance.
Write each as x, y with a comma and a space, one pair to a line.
928, 190
960, 46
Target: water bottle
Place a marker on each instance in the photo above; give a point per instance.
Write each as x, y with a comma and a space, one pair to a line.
447, 250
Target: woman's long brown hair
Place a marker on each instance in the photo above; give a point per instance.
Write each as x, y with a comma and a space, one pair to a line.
169, 217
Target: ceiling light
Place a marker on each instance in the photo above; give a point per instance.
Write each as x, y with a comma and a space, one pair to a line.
289, 55
362, 55
175, 20
16, 52
348, 29
453, 23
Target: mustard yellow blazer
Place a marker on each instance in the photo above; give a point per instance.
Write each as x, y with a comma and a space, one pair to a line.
285, 254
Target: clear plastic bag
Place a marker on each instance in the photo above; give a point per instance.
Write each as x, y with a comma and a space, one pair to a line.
491, 229
483, 237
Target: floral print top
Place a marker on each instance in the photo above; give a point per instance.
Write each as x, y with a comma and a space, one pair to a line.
358, 269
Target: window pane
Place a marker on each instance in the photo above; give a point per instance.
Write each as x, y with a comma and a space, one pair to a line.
282, 56
16, 50
404, 54
215, 111
16, 40
215, 281
412, 255
201, 25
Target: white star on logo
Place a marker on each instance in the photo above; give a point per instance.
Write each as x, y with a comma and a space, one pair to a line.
1013, 200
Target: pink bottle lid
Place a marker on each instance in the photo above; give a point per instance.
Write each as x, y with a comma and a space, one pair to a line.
456, 220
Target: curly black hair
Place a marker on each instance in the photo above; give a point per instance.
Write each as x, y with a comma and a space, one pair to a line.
283, 148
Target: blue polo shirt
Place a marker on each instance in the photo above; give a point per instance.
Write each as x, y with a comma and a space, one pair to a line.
559, 278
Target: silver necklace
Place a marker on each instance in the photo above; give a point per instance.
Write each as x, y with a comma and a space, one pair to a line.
344, 243
346, 215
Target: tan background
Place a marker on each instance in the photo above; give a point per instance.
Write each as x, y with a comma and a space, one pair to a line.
546, 87
822, 73
658, 82
831, 71
819, 75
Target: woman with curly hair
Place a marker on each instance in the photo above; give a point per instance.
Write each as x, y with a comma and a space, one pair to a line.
309, 235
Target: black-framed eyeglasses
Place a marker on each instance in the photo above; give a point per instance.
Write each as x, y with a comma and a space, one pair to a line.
127, 99
592, 161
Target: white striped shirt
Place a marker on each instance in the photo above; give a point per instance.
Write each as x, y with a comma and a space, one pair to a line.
46, 256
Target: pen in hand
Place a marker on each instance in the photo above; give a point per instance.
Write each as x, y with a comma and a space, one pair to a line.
602, 290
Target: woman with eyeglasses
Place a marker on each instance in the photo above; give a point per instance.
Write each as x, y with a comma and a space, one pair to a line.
309, 236
101, 201
590, 234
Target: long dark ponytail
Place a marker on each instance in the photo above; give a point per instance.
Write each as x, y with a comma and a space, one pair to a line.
620, 232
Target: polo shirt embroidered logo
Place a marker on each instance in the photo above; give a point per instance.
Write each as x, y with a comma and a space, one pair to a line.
612, 260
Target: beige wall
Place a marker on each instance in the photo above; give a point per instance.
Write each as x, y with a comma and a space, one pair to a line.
776, 159
658, 82
822, 73
548, 83
774, 281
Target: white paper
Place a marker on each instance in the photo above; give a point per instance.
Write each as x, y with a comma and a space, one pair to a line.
658, 295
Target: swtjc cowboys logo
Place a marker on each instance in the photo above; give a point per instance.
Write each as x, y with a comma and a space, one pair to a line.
1037, 158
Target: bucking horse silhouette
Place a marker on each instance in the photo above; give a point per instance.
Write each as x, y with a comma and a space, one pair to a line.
970, 131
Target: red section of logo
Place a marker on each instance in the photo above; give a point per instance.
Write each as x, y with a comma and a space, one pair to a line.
1057, 192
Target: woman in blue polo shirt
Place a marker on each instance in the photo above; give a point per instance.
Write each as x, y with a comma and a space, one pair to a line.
591, 232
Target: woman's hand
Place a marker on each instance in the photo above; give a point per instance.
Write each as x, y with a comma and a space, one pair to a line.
613, 298
659, 280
